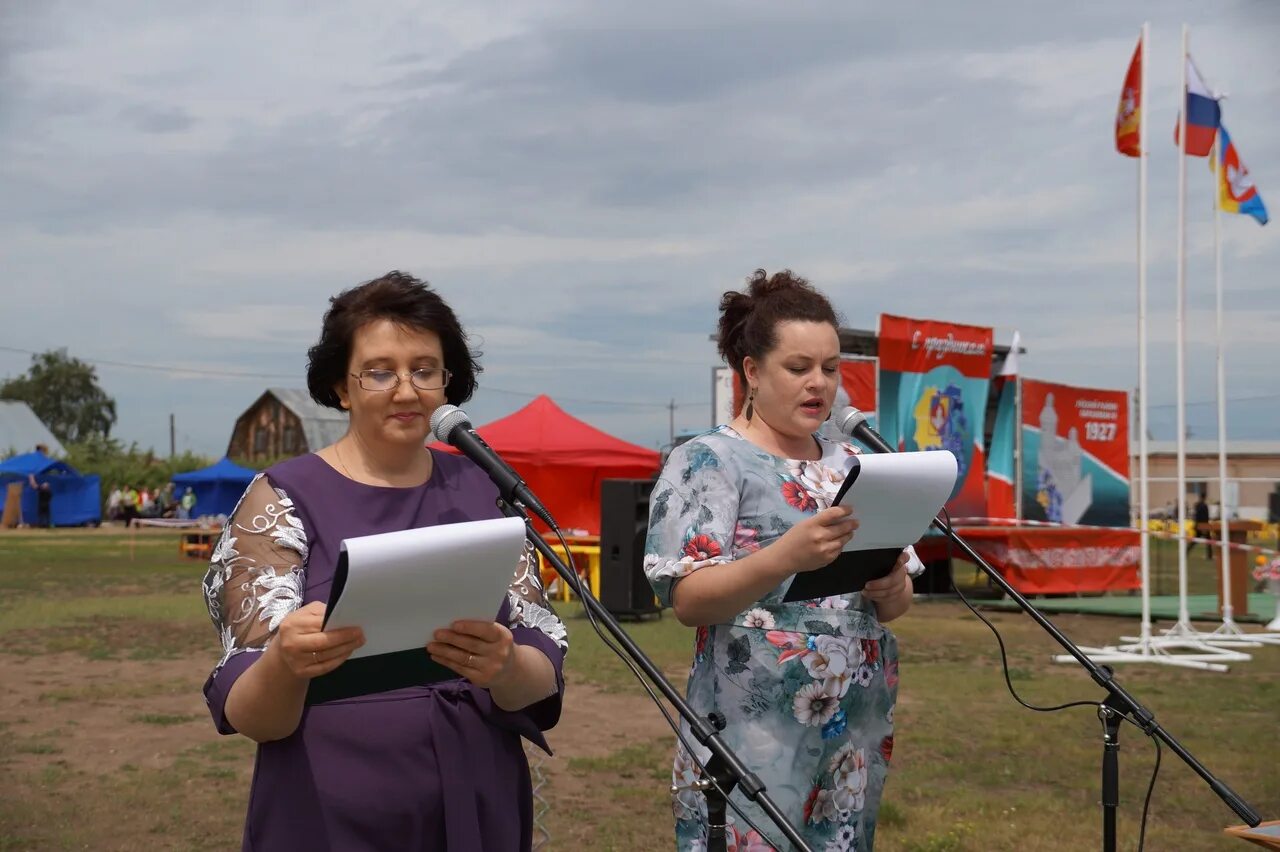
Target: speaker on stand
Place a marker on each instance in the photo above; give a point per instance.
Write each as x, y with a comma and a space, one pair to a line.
624, 524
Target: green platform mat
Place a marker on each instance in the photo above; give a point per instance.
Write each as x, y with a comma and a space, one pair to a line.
1262, 606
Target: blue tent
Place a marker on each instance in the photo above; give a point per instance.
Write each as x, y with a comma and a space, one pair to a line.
77, 499
217, 488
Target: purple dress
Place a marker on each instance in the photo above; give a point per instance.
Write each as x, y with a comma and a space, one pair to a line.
422, 767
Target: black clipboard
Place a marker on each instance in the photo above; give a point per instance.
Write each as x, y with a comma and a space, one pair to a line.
851, 570
379, 673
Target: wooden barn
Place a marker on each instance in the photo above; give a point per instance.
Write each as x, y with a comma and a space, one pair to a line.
284, 422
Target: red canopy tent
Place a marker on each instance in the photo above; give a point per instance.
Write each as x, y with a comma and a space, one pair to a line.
564, 459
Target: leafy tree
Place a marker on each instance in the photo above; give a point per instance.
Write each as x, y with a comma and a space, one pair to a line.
64, 393
119, 465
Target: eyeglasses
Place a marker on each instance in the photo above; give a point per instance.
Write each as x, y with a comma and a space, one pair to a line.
423, 378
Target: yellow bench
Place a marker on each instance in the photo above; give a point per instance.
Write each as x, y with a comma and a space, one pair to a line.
579, 551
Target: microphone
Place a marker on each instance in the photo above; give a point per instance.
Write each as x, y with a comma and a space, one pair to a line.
853, 423
452, 425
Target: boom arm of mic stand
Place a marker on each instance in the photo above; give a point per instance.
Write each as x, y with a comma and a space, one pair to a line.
1119, 699
702, 729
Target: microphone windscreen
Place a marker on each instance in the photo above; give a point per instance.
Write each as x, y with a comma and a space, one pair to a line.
445, 419
848, 419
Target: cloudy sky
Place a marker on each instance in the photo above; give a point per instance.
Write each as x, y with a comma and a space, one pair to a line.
184, 185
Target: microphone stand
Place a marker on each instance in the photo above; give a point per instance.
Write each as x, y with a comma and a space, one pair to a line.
1118, 702
724, 770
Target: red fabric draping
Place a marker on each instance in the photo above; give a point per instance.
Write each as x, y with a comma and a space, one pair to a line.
1059, 560
564, 459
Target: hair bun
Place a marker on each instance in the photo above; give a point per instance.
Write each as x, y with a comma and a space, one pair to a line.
763, 285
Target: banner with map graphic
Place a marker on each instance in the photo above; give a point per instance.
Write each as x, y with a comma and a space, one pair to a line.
934, 378
1075, 454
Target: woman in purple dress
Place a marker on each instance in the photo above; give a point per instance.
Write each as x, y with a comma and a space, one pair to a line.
432, 764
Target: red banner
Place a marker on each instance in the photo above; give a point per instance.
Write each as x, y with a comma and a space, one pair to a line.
917, 346
934, 380
858, 382
1075, 454
1039, 561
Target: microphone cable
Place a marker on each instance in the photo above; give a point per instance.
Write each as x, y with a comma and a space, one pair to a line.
1004, 664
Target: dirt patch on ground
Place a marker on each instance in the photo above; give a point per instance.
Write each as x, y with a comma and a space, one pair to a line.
107, 637
130, 731
98, 716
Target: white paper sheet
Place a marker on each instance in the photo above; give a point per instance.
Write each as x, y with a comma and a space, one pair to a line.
403, 586
897, 495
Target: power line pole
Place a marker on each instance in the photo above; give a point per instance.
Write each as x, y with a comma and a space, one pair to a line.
173, 442
671, 422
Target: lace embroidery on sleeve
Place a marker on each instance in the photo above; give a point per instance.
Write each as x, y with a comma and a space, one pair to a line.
529, 605
256, 574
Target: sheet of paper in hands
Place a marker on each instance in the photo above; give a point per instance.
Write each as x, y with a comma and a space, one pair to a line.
401, 587
895, 497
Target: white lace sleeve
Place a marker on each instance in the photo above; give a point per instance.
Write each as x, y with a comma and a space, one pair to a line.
256, 574
529, 604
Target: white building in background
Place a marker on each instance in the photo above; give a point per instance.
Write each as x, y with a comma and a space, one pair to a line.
21, 431
1253, 472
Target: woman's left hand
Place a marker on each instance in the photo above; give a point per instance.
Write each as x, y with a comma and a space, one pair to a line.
480, 651
892, 585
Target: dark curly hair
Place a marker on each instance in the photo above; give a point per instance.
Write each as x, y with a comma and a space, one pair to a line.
749, 321
405, 301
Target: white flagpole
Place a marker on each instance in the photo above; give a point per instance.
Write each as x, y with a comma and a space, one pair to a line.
1183, 634
1145, 649
1017, 457
1144, 504
1184, 616
1227, 609
1228, 630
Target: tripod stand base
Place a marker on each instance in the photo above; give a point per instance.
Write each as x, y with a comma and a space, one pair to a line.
1195, 645
1138, 654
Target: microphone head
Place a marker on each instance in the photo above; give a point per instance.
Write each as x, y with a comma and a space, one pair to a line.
849, 419
445, 419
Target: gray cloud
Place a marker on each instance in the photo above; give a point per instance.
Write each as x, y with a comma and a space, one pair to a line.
188, 186
150, 118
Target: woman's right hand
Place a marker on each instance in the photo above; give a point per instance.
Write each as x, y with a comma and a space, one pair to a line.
817, 541
307, 649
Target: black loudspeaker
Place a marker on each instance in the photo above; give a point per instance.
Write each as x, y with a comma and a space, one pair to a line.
624, 523
1273, 507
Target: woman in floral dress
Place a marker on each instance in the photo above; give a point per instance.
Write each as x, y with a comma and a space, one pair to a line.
807, 688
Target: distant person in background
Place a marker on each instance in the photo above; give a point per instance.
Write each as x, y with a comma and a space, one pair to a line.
168, 502
186, 504
1202, 525
44, 502
129, 504
114, 501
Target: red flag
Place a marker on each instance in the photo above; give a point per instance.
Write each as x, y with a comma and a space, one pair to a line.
1127, 114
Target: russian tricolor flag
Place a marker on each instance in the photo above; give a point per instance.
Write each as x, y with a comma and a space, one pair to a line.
1203, 115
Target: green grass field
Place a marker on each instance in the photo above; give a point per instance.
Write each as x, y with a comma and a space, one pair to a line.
104, 742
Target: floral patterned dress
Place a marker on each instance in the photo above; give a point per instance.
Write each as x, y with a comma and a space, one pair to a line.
808, 688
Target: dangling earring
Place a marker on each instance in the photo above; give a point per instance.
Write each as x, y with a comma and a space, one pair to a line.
750, 409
